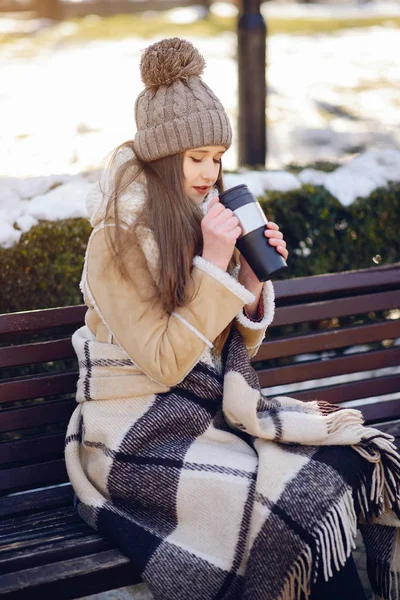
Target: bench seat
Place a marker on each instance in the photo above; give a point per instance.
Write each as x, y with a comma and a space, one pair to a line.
46, 548
326, 326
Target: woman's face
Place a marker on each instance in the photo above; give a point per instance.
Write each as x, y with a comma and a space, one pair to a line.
200, 171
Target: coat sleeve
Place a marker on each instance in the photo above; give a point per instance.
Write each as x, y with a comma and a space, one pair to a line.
253, 331
164, 346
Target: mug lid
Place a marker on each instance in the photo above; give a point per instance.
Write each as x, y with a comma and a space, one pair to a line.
234, 195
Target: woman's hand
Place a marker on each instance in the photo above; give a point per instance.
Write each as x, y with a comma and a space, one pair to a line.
220, 229
275, 238
247, 276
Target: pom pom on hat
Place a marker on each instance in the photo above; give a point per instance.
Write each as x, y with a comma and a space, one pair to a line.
169, 60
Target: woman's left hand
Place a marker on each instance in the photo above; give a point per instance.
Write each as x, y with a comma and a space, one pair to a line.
275, 238
247, 276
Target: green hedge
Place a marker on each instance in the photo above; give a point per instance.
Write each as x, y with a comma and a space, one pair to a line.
44, 268
325, 237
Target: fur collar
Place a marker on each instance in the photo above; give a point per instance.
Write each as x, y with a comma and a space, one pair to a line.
130, 202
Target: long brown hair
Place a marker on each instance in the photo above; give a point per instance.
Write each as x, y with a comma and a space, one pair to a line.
173, 218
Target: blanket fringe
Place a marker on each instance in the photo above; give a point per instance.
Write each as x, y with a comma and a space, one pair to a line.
345, 426
297, 584
334, 541
384, 489
387, 581
335, 536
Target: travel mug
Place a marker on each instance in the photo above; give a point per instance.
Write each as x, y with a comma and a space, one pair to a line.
263, 258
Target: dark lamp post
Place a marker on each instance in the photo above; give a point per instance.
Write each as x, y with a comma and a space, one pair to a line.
252, 35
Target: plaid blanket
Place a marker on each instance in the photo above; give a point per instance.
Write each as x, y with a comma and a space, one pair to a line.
217, 492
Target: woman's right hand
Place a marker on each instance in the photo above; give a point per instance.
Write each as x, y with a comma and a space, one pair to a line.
220, 229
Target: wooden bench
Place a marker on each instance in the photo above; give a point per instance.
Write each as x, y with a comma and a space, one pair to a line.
325, 326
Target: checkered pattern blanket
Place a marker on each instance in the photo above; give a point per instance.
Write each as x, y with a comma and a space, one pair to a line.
217, 492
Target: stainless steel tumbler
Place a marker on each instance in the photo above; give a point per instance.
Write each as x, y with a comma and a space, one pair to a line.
263, 258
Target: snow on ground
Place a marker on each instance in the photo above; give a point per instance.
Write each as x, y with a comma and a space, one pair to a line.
359, 177
24, 202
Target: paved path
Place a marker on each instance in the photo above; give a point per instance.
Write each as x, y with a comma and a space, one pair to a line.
134, 592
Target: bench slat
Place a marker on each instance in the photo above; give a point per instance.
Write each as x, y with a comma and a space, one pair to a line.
63, 521
49, 446
58, 550
38, 386
48, 473
350, 363
29, 354
340, 307
354, 390
392, 428
44, 413
381, 411
318, 287
50, 498
66, 580
40, 320
327, 340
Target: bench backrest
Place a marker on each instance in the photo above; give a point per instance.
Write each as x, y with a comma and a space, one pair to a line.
327, 325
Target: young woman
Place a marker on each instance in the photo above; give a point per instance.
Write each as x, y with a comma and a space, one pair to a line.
213, 490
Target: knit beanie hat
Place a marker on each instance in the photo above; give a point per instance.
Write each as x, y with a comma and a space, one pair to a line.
176, 111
